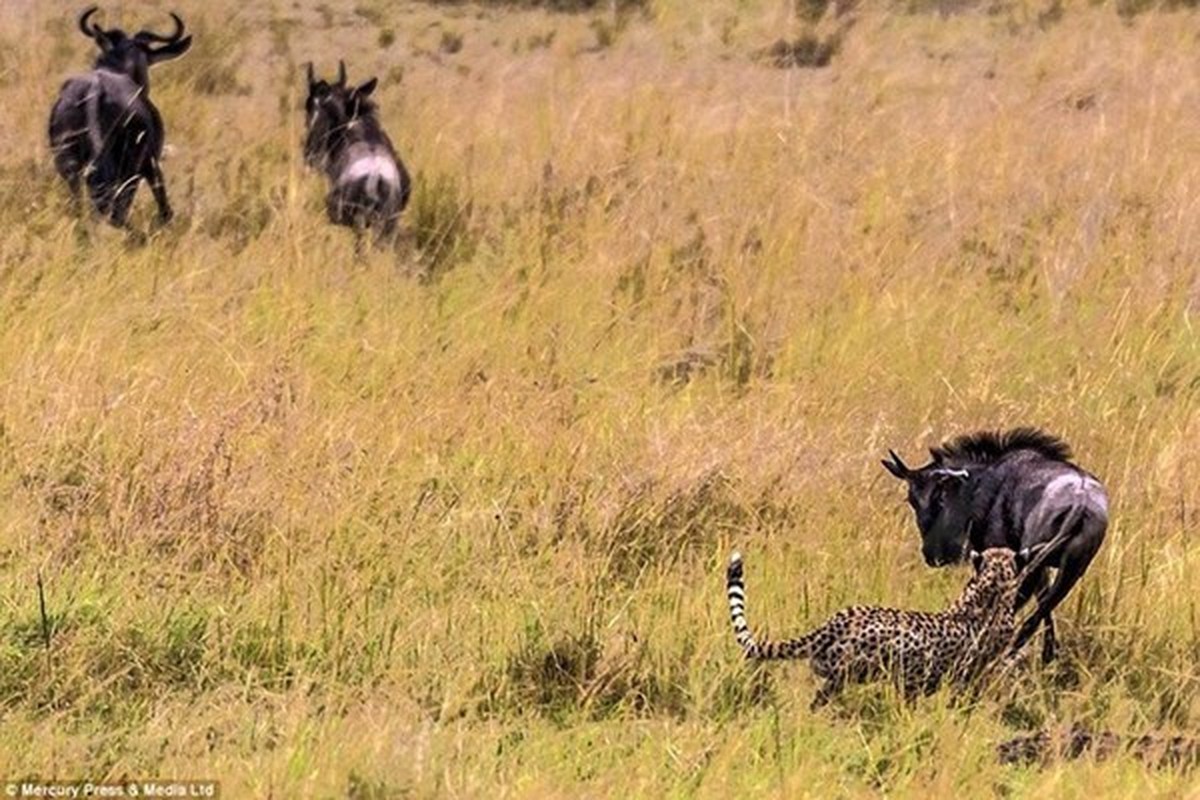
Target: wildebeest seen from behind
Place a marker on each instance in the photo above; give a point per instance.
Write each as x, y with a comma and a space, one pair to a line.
1013, 489
104, 130
369, 184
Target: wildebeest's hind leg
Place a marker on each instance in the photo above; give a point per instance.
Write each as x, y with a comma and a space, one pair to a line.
71, 167
75, 184
338, 209
1076, 555
69, 164
1035, 585
122, 200
387, 230
386, 233
1049, 639
69, 144
158, 186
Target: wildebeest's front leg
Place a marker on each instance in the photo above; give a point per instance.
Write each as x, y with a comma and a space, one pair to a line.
159, 187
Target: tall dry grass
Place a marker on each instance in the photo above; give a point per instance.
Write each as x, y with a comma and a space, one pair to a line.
451, 519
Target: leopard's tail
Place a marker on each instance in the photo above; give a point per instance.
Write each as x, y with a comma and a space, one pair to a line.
735, 588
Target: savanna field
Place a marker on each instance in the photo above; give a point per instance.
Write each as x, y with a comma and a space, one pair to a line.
450, 518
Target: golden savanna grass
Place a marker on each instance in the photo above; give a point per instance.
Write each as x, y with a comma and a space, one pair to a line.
451, 518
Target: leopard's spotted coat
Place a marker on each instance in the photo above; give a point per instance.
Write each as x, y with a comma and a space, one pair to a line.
918, 649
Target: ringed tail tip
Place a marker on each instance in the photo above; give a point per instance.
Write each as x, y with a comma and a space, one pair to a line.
734, 572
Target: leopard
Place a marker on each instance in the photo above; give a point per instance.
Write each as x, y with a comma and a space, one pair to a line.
919, 650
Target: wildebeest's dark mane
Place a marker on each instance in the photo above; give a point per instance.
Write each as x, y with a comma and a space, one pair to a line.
985, 446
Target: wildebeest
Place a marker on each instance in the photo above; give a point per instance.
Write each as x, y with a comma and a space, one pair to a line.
104, 130
1013, 489
369, 184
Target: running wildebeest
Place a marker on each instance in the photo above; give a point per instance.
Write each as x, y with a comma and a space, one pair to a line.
1013, 489
104, 130
369, 184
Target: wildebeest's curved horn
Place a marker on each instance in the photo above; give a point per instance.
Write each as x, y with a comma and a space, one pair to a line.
312, 78
896, 465
175, 36
341, 73
90, 29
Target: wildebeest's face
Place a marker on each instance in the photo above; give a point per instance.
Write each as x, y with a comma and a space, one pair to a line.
133, 55
330, 107
936, 495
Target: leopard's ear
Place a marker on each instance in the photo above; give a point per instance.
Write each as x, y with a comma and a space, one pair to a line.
976, 559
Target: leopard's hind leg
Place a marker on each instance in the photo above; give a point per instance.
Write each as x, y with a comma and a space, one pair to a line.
830, 689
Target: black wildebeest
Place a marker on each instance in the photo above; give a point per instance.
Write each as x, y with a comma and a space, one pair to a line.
1013, 489
104, 130
369, 184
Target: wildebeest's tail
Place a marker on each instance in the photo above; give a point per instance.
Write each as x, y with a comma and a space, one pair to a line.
735, 588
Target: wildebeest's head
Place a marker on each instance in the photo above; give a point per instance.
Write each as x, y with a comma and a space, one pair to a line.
133, 55
332, 107
935, 492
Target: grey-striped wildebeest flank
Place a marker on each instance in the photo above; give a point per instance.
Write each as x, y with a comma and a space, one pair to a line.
369, 184
1013, 489
104, 130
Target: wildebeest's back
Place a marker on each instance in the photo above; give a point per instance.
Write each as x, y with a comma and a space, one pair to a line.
1009, 495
